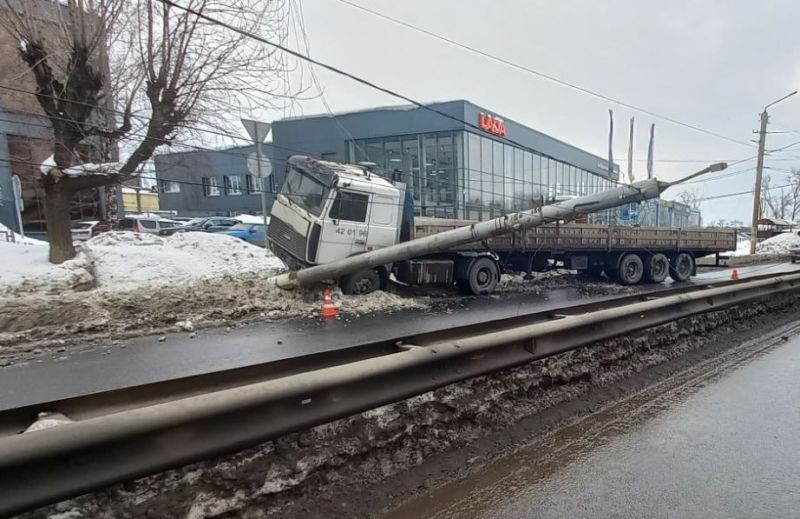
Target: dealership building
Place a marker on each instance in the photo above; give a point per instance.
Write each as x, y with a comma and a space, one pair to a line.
459, 160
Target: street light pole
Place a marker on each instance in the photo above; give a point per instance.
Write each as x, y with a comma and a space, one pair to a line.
760, 171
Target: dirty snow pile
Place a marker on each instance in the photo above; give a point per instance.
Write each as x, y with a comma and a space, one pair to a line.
125, 260
777, 245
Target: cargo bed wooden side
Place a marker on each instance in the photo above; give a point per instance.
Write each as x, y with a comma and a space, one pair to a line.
592, 238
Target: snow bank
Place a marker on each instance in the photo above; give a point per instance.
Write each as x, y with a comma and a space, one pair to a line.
128, 283
777, 245
125, 260
128, 260
25, 263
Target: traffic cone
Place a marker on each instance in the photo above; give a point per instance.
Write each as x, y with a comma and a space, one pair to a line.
328, 308
735, 274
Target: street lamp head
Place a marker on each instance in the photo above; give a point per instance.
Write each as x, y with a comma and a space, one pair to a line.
779, 100
713, 168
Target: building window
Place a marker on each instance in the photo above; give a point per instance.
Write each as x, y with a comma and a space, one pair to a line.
210, 187
168, 186
349, 206
232, 185
473, 175
254, 184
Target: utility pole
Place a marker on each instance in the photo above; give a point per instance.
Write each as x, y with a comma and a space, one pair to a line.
762, 137
610, 143
630, 153
759, 172
650, 150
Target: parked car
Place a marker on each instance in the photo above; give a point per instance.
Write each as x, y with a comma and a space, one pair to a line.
206, 224
250, 232
146, 225
88, 229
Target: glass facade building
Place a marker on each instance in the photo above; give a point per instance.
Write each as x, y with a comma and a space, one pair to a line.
458, 160
461, 174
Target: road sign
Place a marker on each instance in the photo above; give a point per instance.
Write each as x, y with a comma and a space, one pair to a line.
252, 166
257, 131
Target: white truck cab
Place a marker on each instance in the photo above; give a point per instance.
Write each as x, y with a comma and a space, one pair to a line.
327, 211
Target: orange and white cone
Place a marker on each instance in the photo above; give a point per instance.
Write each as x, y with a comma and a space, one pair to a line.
735, 274
328, 307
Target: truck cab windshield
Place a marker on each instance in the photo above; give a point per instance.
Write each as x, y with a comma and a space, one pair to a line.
305, 191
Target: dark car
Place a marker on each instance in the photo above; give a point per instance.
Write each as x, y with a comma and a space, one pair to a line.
205, 224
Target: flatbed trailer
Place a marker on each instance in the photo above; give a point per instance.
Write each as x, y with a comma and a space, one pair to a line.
598, 249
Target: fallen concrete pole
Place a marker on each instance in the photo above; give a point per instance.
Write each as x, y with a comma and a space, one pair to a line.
566, 210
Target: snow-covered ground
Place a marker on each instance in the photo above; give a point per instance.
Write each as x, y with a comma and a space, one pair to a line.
126, 261
132, 284
777, 245
26, 259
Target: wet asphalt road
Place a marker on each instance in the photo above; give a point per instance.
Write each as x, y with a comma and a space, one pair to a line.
145, 360
720, 446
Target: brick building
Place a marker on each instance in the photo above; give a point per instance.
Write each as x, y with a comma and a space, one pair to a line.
25, 135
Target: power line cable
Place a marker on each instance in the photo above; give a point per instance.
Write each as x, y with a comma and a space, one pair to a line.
349, 75
570, 188
542, 75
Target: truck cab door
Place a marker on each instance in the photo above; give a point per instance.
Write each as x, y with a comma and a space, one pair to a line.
346, 227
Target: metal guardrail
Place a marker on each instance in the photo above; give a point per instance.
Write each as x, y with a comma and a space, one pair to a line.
45, 466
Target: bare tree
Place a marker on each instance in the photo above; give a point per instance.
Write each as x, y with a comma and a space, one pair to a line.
690, 198
135, 74
775, 200
793, 193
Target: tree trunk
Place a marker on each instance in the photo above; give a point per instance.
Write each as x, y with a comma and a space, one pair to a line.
57, 212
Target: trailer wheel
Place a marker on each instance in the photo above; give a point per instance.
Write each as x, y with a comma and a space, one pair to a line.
681, 267
482, 277
656, 268
360, 282
631, 269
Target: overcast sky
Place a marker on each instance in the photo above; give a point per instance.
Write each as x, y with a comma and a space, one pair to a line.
711, 64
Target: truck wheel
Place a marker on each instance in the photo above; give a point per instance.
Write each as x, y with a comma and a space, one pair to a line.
681, 267
656, 268
361, 282
631, 269
482, 277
